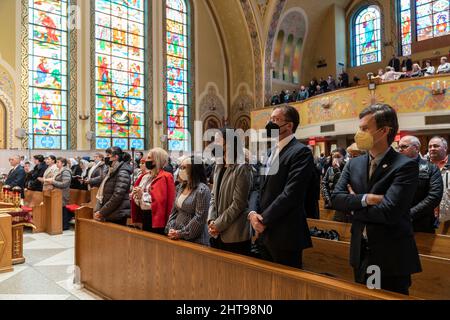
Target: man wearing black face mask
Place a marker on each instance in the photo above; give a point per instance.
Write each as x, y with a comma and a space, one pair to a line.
279, 217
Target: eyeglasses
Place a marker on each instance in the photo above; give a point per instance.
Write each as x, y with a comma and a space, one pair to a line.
404, 146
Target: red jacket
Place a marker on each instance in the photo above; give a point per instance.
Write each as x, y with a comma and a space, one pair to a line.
162, 191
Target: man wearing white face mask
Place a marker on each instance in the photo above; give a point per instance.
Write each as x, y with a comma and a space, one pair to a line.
379, 188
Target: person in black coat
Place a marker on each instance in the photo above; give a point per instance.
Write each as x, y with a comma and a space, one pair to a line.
431, 187
16, 176
38, 172
379, 189
395, 63
407, 63
113, 200
279, 217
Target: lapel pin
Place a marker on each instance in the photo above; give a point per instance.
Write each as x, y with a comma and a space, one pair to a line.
385, 166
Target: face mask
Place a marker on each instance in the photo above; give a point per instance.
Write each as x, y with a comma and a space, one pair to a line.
183, 175
150, 165
364, 140
273, 126
108, 161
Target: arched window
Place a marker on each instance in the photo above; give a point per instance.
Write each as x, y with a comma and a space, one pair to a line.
430, 19
277, 55
120, 74
48, 69
366, 30
177, 42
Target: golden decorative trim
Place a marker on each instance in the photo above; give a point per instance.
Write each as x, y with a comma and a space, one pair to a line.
24, 76
73, 84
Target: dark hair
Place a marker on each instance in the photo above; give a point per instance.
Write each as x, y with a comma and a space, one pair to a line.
340, 151
197, 173
428, 61
52, 157
141, 153
39, 157
126, 157
238, 147
63, 160
117, 151
27, 162
108, 151
291, 114
385, 116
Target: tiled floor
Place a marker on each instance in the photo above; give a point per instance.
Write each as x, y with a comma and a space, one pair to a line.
47, 273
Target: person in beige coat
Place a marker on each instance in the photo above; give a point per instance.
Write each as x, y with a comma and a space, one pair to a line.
227, 219
50, 173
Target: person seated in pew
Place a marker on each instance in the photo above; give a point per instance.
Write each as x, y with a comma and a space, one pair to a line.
51, 172
16, 176
113, 200
379, 189
62, 181
153, 198
38, 172
97, 173
188, 218
429, 69
430, 189
227, 218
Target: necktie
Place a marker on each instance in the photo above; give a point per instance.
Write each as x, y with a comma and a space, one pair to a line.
373, 167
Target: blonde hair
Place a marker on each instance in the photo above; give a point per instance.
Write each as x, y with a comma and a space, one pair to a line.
160, 159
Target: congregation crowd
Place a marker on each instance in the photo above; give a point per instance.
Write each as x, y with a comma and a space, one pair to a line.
395, 70
261, 209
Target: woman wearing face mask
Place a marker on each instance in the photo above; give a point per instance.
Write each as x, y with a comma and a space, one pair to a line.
188, 218
227, 219
62, 181
113, 201
97, 172
153, 194
330, 180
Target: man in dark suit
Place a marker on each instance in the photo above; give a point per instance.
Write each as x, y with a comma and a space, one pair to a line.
279, 217
16, 176
379, 189
395, 63
429, 192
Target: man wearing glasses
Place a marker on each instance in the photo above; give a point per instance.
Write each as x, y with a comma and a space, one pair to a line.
429, 192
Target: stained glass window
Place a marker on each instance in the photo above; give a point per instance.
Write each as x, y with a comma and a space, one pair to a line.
405, 27
432, 18
48, 84
119, 74
431, 21
177, 76
367, 36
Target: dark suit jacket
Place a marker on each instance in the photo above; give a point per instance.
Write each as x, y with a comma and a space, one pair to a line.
38, 172
16, 178
282, 199
428, 196
389, 228
395, 63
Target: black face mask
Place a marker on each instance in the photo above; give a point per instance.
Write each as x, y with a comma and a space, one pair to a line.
108, 161
150, 165
273, 126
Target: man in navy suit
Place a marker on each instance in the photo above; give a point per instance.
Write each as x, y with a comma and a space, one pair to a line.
379, 188
16, 177
279, 216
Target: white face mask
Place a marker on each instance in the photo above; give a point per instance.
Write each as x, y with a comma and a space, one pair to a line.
183, 175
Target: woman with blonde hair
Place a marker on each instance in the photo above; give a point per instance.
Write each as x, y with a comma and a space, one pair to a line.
153, 195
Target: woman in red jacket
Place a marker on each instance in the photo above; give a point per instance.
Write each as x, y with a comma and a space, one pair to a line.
153, 195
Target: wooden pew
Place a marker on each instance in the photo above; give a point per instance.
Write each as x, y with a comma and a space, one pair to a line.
332, 258
92, 199
35, 200
53, 212
139, 265
428, 244
79, 196
5, 243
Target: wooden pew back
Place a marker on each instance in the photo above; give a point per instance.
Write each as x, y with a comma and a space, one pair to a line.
79, 196
150, 266
53, 211
6, 244
332, 258
35, 200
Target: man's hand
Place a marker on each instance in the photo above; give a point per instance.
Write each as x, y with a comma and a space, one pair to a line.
212, 229
98, 216
173, 234
256, 221
374, 199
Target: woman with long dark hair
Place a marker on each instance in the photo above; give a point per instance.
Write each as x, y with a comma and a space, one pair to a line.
188, 218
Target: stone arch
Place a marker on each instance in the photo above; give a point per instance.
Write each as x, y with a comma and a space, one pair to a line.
242, 104
212, 105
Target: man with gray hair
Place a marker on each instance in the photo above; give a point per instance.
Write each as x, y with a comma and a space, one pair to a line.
429, 191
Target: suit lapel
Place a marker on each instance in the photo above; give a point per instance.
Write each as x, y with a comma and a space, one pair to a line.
280, 155
382, 167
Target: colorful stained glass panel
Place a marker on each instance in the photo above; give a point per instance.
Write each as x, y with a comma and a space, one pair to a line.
367, 36
120, 78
